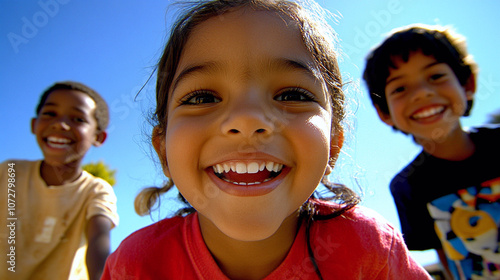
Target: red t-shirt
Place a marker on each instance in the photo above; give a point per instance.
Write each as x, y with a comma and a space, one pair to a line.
357, 245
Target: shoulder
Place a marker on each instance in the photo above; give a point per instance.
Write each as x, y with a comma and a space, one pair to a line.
141, 243
361, 243
94, 184
20, 170
486, 128
100, 196
485, 133
411, 173
160, 245
359, 222
19, 164
359, 229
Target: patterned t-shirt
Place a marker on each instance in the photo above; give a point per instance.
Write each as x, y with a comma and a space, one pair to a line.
454, 205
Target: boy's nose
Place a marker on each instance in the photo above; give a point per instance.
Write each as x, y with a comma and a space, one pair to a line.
61, 123
422, 91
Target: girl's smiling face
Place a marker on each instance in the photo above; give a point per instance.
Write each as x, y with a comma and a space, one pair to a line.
248, 128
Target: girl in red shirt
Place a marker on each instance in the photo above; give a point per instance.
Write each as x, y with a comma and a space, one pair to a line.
248, 124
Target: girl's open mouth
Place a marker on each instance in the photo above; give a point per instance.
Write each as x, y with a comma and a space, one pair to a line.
247, 174
248, 178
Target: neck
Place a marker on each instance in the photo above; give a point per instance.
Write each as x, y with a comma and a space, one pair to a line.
249, 259
455, 146
56, 175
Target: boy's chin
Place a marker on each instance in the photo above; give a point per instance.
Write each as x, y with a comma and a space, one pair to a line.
68, 160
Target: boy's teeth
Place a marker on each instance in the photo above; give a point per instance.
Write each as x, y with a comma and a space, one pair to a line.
58, 140
252, 167
429, 112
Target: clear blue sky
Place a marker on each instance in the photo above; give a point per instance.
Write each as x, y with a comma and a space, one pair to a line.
113, 45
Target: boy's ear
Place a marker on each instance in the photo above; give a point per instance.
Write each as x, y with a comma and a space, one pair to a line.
335, 145
33, 120
386, 118
470, 87
158, 140
100, 137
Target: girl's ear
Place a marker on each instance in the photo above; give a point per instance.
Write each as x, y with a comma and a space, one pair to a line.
158, 140
100, 137
386, 118
335, 145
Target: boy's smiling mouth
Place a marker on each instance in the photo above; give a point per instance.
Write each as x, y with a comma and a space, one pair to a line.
428, 112
247, 174
58, 142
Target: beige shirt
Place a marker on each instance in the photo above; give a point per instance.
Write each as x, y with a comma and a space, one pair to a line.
42, 230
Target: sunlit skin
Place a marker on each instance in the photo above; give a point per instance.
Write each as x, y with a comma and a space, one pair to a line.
245, 91
426, 99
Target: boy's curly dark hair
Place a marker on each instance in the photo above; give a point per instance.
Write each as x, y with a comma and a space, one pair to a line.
442, 43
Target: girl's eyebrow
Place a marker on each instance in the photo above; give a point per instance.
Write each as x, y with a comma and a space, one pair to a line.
277, 64
197, 68
287, 64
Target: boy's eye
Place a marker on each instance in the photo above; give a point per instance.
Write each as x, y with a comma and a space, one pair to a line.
398, 90
294, 95
48, 113
79, 120
200, 97
436, 77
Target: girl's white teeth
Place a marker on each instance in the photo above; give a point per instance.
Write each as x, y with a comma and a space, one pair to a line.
252, 167
246, 184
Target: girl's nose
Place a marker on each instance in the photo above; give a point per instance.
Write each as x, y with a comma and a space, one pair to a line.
249, 117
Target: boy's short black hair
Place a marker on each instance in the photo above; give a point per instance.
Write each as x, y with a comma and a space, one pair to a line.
441, 43
101, 112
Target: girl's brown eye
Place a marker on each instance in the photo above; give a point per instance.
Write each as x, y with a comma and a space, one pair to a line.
200, 97
295, 95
